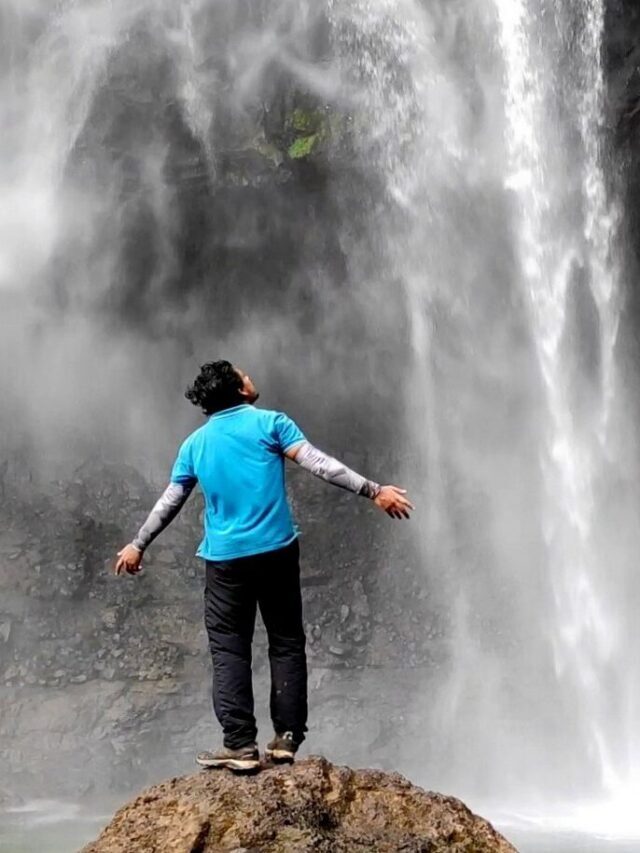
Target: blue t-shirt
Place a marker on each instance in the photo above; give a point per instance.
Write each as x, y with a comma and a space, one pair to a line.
237, 458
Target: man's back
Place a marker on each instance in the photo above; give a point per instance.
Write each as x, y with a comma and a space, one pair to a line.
237, 458
252, 558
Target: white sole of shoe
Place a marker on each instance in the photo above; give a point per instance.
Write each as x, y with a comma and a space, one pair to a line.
240, 764
280, 755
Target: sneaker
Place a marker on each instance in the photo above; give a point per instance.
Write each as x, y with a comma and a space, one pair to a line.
282, 749
244, 759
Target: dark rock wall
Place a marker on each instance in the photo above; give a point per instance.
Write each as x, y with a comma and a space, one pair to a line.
114, 673
117, 670
622, 61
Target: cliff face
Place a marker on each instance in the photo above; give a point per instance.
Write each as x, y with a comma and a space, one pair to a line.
117, 670
622, 58
106, 680
310, 806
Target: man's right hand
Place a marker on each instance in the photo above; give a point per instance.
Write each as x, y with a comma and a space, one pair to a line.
393, 500
129, 560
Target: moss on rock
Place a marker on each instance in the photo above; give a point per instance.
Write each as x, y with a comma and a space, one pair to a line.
303, 146
307, 129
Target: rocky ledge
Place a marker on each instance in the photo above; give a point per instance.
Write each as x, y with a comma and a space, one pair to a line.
311, 806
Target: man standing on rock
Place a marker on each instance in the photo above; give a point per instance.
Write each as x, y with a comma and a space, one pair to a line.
251, 551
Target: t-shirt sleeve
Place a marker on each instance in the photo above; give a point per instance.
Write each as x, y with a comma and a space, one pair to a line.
287, 432
183, 471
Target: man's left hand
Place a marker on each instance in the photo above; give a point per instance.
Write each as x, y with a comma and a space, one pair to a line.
394, 501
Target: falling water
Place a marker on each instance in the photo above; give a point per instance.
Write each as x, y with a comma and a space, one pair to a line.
486, 121
566, 240
582, 635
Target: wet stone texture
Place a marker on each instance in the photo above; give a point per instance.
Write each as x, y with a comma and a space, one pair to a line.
116, 671
312, 806
622, 116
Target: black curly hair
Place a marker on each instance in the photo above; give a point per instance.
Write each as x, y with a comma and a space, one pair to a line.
216, 387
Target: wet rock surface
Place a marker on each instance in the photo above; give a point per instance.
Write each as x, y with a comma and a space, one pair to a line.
312, 805
622, 63
106, 680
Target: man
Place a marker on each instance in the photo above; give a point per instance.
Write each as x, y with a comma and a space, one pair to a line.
251, 551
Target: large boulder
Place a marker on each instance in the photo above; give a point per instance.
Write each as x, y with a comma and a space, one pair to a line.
311, 806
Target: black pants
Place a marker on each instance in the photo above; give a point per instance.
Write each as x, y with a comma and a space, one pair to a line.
234, 589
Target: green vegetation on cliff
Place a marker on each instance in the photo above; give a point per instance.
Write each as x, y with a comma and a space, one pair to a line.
309, 130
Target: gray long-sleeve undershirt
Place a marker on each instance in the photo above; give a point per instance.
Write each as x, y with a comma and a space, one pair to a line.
308, 457
168, 506
335, 472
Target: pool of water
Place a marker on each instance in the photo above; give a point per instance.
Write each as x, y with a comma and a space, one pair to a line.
49, 826
534, 841
581, 827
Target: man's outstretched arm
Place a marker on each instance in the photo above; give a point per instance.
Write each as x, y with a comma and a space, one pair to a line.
166, 509
391, 499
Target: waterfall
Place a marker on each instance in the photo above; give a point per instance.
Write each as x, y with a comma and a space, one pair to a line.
487, 123
465, 255
582, 455
573, 455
